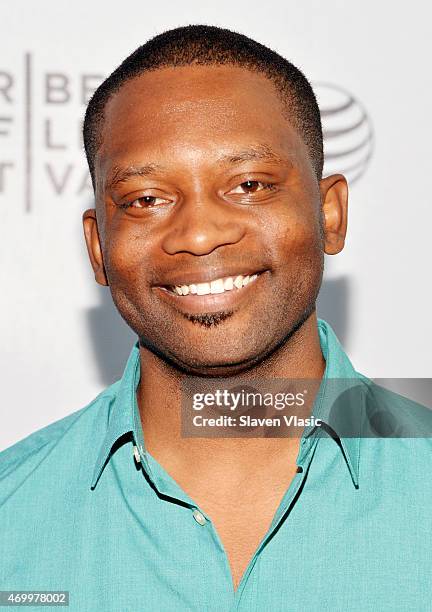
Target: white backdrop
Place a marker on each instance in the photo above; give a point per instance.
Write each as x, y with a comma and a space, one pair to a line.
62, 340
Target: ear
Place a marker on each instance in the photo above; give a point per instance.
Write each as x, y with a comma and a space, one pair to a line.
93, 245
334, 203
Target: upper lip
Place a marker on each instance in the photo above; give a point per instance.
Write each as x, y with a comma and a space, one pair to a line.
206, 275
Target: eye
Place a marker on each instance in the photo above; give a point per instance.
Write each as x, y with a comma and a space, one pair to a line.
253, 187
142, 202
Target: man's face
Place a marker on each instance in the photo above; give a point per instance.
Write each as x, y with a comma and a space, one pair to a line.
219, 186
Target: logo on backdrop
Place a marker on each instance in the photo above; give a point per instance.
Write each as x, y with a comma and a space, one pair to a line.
41, 148
347, 130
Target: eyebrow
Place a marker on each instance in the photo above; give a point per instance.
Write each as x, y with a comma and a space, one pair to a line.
121, 174
258, 152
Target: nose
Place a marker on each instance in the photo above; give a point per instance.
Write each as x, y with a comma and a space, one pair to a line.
199, 226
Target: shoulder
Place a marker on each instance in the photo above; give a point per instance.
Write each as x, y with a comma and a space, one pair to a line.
360, 407
397, 436
23, 457
390, 414
379, 411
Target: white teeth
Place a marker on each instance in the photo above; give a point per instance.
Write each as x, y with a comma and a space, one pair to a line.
238, 282
216, 286
203, 288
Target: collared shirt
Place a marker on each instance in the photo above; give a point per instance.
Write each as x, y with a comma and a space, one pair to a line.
84, 508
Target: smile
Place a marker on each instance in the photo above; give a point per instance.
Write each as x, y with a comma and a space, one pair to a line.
219, 285
215, 295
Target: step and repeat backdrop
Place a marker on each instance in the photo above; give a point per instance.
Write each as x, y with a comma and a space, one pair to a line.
62, 341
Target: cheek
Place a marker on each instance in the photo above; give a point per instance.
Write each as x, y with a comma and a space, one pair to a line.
294, 233
127, 259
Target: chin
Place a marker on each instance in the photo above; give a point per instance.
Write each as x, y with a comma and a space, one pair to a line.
212, 360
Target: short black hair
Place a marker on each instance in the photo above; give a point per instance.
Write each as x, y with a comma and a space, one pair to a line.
207, 45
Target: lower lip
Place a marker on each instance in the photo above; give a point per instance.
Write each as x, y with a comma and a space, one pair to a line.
213, 302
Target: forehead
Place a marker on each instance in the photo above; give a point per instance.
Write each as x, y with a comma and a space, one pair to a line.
193, 107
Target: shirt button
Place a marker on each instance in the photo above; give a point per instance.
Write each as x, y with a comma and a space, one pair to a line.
136, 454
199, 517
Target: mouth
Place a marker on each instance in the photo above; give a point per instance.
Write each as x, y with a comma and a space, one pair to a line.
213, 295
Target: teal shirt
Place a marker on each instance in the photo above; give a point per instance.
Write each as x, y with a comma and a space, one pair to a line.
79, 513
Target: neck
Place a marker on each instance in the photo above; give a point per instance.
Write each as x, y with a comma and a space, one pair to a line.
159, 401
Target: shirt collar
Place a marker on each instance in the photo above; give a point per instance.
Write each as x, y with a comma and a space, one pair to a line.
339, 377
124, 415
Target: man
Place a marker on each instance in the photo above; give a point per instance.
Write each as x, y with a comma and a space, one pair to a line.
211, 223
